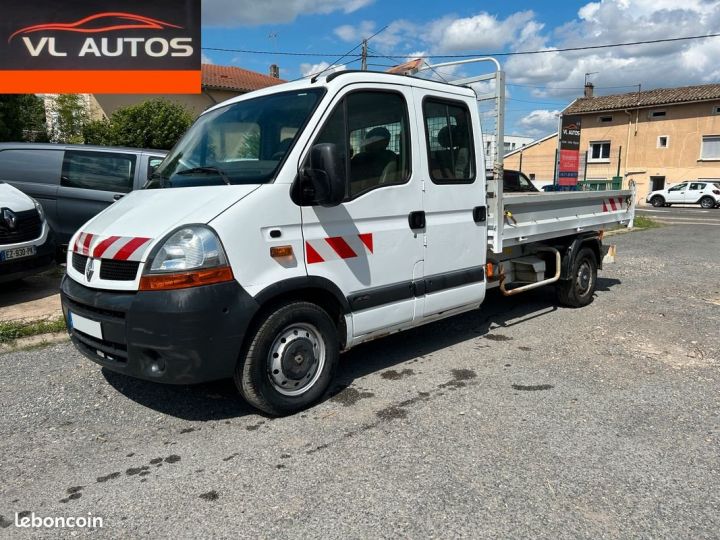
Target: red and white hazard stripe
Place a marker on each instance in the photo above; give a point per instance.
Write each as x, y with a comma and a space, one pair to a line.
612, 204
338, 247
119, 248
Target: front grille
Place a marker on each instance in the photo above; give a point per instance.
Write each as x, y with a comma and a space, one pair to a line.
78, 262
27, 227
110, 269
118, 270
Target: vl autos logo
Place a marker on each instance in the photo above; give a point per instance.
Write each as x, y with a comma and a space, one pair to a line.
124, 41
121, 47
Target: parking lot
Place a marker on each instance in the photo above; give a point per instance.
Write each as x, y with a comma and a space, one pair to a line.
520, 419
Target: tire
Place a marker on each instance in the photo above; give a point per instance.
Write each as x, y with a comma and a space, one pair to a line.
290, 359
657, 201
579, 289
707, 202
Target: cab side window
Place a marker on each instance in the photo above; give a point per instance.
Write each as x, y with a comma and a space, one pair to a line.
449, 142
679, 187
697, 187
102, 171
371, 130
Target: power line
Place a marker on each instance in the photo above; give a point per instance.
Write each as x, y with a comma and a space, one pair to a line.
513, 53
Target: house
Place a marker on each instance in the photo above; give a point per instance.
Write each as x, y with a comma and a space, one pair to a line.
536, 159
653, 137
218, 84
511, 142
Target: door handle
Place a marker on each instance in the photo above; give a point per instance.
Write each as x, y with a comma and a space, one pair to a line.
416, 219
118, 196
479, 214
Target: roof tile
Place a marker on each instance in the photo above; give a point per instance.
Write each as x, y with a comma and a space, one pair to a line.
648, 98
235, 78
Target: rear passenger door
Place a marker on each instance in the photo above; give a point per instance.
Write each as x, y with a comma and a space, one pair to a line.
694, 192
453, 201
365, 245
90, 182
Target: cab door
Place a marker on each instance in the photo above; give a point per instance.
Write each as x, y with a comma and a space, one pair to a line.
454, 202
366, 245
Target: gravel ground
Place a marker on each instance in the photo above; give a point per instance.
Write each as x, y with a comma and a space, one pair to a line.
519, 420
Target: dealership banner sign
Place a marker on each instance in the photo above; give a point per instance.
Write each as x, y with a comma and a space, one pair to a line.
110, 47
569, 154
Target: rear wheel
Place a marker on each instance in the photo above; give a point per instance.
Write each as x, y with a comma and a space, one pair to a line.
707, 202
657, 201
579, 289
290, 360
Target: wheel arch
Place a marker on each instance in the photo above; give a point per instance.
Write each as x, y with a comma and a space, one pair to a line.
572, 248
317, 290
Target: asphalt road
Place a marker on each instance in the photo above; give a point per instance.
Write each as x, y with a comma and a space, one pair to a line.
519, 420
682, 215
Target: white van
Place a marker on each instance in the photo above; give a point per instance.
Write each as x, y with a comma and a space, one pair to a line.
306, 218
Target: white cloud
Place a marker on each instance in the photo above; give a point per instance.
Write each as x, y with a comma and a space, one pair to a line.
308, 70
205, 59
483, 31
229, 13
398, 33
539, 122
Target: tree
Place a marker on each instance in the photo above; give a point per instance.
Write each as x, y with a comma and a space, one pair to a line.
22, 118
71, 117
157, 123
32, 118
98, 132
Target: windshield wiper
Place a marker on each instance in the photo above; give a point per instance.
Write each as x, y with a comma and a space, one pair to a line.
208, 170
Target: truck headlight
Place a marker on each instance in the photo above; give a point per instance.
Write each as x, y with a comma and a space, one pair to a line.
190, 256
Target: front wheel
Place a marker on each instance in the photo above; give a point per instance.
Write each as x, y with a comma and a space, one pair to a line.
657, 201
290, 360
707, 202
579, 289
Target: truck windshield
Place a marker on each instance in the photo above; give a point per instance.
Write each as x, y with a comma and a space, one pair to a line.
242, 143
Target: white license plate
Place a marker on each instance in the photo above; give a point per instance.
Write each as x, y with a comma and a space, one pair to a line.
86, 326
17, 253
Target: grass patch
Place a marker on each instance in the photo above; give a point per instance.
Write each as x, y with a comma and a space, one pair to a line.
11, 331
644, 222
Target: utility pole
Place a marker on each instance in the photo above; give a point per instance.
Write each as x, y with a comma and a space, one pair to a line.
364, 55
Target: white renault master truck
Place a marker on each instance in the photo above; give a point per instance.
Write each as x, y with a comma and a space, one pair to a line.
303, 219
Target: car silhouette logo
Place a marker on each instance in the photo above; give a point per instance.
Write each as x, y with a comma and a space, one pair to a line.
100, 22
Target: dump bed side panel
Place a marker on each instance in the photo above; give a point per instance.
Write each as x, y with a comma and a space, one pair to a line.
531, 217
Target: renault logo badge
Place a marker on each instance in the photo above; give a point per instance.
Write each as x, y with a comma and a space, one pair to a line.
89, 270
9, 219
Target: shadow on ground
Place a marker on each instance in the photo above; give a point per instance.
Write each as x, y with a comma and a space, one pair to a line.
31, 288
220, 400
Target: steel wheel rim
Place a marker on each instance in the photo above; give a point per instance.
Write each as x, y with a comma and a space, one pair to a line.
584, 278
705, 203
296, 359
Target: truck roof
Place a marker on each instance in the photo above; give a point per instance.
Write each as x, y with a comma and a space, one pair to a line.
338, 79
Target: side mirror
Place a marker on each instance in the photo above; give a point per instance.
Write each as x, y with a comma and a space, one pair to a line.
323, 182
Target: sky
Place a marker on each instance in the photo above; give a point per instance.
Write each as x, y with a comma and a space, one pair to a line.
538, 86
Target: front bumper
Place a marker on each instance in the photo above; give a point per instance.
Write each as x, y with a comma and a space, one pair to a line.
44, 259
183, 336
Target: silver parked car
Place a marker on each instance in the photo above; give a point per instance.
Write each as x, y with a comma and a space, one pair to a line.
75, 182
